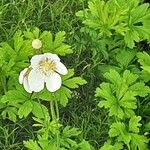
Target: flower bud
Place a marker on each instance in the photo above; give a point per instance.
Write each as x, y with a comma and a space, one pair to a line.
36, 44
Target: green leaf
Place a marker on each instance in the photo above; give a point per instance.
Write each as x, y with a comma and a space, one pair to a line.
63, 50
47, 40
31, 145
129, 77
117, 96
74, 82
140, 88
2, 105
145, 76
62, 95
110, 101
69, 74
140, 13
143, 58
36, 32
18, 40
102, 16
146, 68
14, 96
59, 38
129, 112
105, 91
46, 144
84, 145
29, 35
57, 46
113, 76
119, 129
128, 100
49, 43
70, 132
11, 112
116, 110
68, 135
116, 129
108, 146
2, 57
9, 51
131, 37
128, 20
39, 110
125, 56
138, 17
134, 124
25, 109
44, 95
139, 142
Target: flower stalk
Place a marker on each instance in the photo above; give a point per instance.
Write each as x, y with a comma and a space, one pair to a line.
52, 110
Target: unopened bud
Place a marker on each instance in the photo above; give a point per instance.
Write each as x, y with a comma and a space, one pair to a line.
36, 44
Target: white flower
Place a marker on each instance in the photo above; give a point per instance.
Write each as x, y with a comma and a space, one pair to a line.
23, 79
46, 69
36, 44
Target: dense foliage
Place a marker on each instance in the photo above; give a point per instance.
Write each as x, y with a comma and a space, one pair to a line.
103, 102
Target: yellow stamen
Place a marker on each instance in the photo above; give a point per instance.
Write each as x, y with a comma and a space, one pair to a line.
47, 66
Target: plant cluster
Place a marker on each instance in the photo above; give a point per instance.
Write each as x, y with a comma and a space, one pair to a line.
18, 102
42, 70
116, 27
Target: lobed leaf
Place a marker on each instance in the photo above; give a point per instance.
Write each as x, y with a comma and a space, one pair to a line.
134, 124
139, 142
25, 109
32, 145
74, 82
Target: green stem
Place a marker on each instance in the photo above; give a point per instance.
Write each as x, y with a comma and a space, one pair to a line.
52, 110
57, 109
57, 115
57, 121
40, 106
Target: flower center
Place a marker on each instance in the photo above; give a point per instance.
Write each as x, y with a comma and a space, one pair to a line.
47, 66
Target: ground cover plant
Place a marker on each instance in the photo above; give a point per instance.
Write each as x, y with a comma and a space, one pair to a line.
74, 75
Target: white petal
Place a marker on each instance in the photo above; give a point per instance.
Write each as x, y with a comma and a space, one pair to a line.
51, 56
26, 85
21, 76
36, 80
35, 60
60, 68
53, 82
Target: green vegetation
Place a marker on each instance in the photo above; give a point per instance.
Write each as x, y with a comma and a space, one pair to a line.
104, 100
